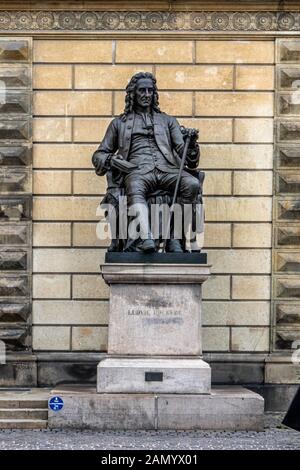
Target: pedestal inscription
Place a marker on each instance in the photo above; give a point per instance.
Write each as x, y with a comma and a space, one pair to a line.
155, 320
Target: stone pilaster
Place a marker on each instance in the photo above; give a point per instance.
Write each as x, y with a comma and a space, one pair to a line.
15, 208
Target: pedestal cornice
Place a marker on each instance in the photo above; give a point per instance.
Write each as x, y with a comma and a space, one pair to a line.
114, 273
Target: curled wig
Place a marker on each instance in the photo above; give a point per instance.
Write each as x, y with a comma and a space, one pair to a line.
130, 93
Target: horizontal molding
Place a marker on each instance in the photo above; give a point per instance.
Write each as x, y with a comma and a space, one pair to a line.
149, 21
168, 5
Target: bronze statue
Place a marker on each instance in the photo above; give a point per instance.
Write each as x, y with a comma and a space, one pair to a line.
141, 156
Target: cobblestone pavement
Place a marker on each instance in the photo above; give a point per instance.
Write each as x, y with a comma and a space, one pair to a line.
279, 438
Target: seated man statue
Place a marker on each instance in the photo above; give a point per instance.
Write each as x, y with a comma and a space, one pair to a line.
141, 153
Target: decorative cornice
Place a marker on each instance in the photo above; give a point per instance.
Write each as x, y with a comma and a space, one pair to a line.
76, 21
151, 5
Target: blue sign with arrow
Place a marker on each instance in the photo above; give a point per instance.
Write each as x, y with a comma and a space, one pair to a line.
56, 403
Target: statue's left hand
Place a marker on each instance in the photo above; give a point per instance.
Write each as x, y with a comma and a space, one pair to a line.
193, 133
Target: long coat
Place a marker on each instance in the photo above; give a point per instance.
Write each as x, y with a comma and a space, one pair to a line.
167, 133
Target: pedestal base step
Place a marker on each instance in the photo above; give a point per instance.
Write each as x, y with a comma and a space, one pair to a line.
226, 408
120, 375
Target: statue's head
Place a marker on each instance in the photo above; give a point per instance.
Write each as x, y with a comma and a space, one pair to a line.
141, 90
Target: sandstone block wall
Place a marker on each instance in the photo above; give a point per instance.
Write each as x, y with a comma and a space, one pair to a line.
226, 89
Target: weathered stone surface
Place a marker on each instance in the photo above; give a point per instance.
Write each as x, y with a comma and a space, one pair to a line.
287, 105
24, 400
87, 182
199, 77
217, 183
65, 208
237, 156
72, 103
73, 312
286, 209
87, 286
53, 338
287, 314
212, 130
52, 182
216, 287
62, 155
16, 130
67, 260
234, 104
240, 261
89, 338
287, 287
85, 234
287, 182
253, 130
287, 338
51, 373
277, 397
15, 76
250, 339
12, 259
252, 235
236, 313
239, 52
22, 414
253, 77
217, 235
107, 77
288, 77
125, 375
15, 156
254, 183
282, 373
19, 373
15, 234
155, 273
52, 234
226, 408
89, 410
16, 103
90, 129
14, 311
15, 181
233, 408
216, 338
72, 51
288, 131
287, 156
174, 103
52, 76
238, 209
51, 286
14, 286
154, 52
287, 261
56, 129
15, 208
237, 373
251, 287
16, 337
141, 315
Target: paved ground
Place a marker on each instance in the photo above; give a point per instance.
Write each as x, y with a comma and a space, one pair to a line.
274, 437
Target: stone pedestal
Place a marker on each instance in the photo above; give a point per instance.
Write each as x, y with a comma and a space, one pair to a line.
154, 334
153, 376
